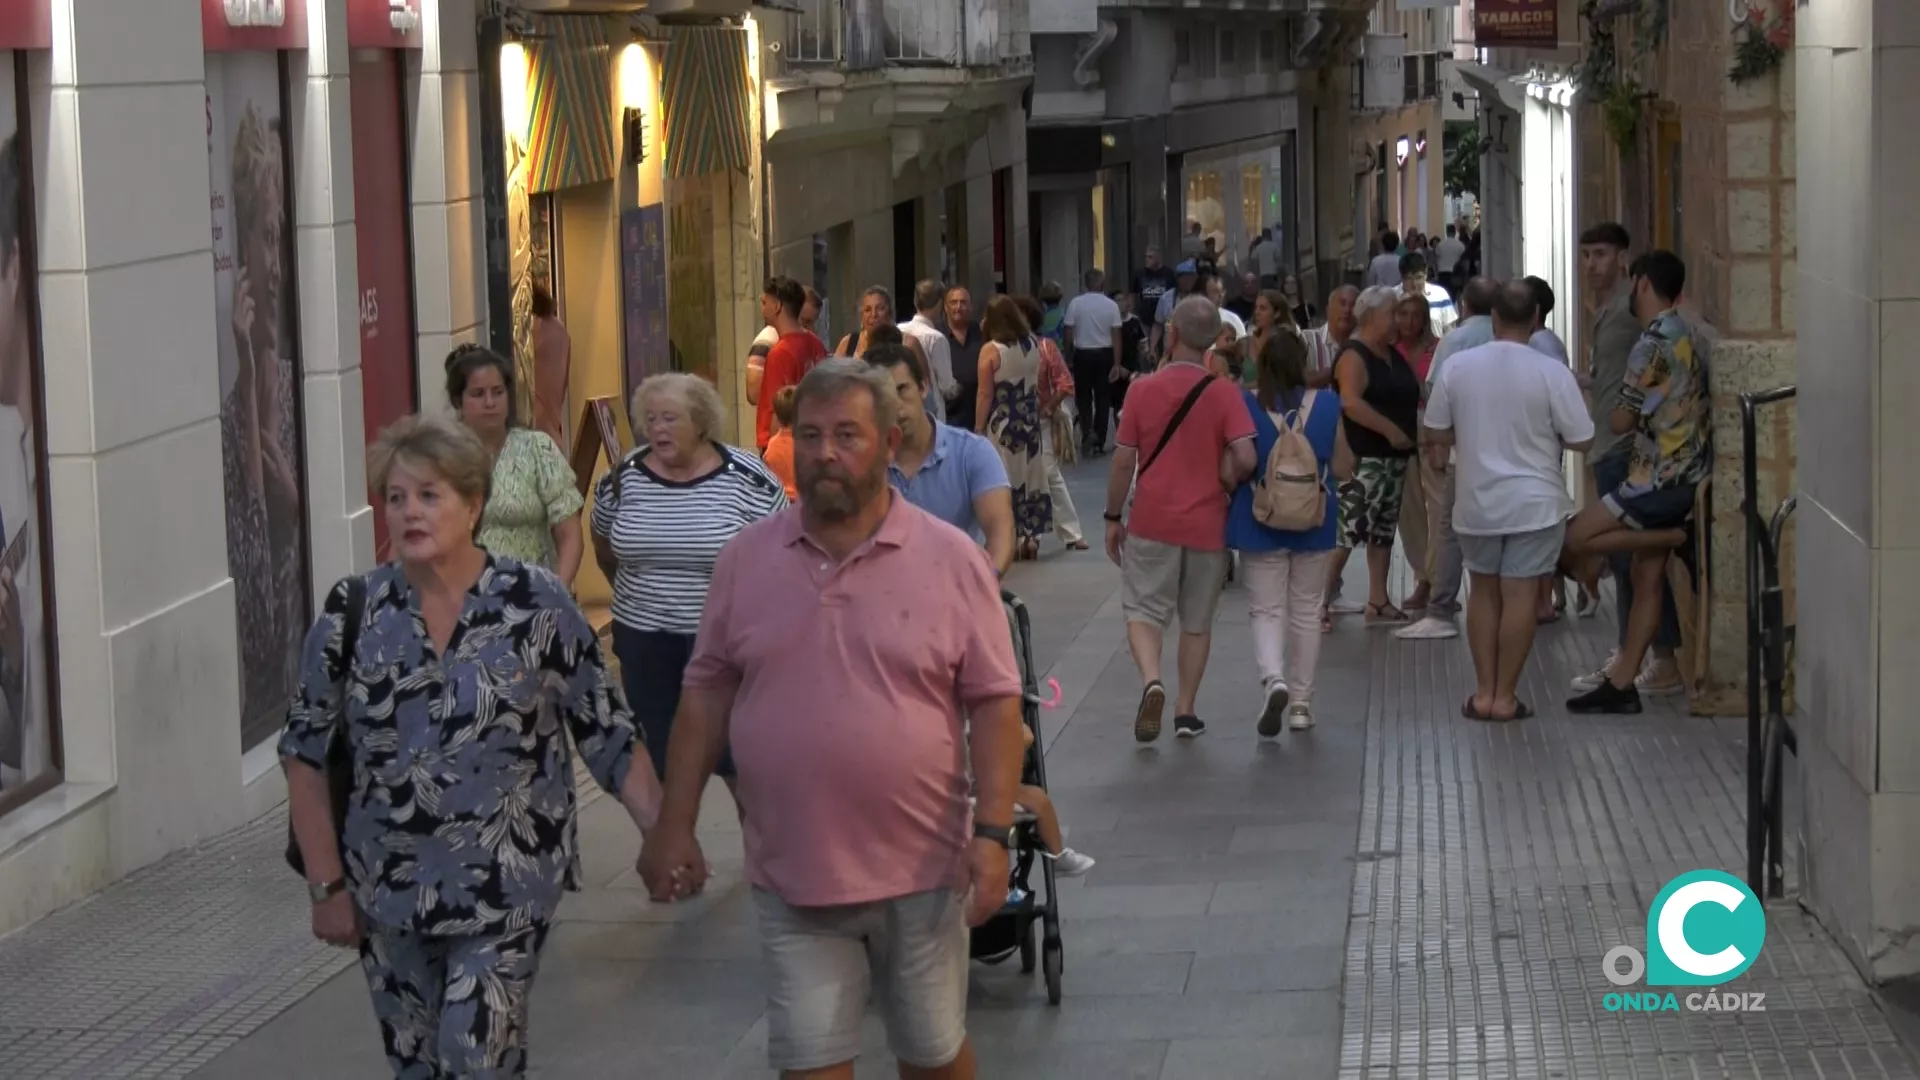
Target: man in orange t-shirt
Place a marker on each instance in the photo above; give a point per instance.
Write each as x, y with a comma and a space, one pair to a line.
792, 356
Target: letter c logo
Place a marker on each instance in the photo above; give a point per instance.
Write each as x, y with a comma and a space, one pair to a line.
1704, 928
1673, 928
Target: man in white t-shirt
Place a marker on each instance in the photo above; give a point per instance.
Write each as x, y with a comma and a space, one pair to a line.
928, 298
1509, 418
1092, 331
1267, 260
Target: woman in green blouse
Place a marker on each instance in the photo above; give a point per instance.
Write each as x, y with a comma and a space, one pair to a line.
533, 507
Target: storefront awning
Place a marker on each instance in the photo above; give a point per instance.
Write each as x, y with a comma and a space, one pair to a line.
1491, 82
569, 126
704, 101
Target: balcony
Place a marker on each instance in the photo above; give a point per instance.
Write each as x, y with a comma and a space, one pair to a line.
871, 35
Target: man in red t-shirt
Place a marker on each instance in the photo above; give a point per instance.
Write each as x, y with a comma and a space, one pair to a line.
792, 356
1171, 547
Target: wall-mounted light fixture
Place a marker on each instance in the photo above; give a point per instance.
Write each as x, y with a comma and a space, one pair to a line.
633, 124
1400, 148
1420, 144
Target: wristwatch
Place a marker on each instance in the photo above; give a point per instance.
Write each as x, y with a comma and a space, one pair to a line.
999, 834
322, 891
1114, 518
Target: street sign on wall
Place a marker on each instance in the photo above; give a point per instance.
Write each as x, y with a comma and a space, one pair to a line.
1516, 23
1382, 84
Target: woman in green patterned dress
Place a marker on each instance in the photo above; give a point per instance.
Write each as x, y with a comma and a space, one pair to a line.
533, 505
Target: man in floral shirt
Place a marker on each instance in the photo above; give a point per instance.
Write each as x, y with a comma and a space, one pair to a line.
1664, 404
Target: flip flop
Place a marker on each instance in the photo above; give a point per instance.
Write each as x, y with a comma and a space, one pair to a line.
1466, 710
1522, 711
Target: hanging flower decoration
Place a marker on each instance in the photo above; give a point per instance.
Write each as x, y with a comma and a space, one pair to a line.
1761, 40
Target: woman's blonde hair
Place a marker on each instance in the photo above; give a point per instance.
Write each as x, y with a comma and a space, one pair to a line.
438, 443
708, 412
259, 174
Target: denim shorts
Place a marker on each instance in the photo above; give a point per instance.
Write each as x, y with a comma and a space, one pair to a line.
911, 952
1661, 508
1514, 555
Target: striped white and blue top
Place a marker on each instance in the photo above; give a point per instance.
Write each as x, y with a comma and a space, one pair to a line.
667, 533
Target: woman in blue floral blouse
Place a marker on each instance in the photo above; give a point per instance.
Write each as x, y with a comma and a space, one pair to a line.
468, 671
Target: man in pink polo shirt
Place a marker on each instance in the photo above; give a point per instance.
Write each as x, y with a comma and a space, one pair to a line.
1191, 437
841, 641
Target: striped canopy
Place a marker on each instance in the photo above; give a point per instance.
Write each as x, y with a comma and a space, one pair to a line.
570, 126
705, 101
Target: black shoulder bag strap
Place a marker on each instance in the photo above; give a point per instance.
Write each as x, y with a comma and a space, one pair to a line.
339, 749
1186, 406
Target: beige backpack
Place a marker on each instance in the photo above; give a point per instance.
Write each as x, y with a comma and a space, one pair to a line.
1291, 495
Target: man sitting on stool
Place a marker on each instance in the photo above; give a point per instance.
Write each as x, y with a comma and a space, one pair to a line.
1664, 405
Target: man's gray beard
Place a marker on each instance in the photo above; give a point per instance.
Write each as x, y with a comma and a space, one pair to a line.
847, 503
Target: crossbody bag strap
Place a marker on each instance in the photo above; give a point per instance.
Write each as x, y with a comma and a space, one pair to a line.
1186, 406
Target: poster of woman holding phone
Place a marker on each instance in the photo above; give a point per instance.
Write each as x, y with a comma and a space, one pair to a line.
259, 433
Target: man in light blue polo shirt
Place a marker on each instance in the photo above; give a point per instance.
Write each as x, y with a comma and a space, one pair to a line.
949, 472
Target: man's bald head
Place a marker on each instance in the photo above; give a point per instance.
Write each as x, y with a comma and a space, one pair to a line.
1479, 295
1514, 305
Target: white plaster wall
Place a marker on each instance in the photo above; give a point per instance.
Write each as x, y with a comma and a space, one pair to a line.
149, 689
148, 658
449, 249
1858, 544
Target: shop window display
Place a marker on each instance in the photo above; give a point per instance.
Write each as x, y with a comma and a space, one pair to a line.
259, 379
29, 735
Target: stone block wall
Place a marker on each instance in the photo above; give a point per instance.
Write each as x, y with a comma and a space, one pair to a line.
1737, 235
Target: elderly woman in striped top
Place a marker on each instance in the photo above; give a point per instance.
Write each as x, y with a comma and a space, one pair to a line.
660, 518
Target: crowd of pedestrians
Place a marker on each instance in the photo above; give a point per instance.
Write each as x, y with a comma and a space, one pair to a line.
817, 619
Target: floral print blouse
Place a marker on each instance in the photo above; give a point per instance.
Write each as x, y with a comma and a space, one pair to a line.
461, 819
533, 490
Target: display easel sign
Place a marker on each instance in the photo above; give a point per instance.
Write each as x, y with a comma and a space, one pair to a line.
599, 431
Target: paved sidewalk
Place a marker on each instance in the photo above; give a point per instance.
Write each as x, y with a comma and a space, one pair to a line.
1399, 893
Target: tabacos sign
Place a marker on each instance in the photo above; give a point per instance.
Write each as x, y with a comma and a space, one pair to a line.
1704, 928
264, 25
262, 13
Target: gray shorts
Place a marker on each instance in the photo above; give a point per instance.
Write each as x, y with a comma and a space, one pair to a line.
1160, 580
911, 950
1515, 555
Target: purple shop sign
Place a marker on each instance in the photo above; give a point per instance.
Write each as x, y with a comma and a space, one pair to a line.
643, 293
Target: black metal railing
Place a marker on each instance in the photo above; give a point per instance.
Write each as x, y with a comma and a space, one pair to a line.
1769, 645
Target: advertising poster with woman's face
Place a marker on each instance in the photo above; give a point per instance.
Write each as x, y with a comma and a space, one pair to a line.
26, 630
259, 421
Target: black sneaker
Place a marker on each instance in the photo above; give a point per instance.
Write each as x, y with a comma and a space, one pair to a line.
1606, 698
1189, 727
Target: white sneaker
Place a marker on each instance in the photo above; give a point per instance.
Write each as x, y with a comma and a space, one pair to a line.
1660, 680
1300, 717
1346, 607
1593, 679
1431, 628
1273, 715
1071, 863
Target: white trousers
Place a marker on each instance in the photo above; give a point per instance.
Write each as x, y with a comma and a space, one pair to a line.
1066, 521
1286, 588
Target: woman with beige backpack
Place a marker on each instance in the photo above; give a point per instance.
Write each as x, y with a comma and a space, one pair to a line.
1281, 522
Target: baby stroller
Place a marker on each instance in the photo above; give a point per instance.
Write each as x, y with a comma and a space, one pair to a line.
1012, 930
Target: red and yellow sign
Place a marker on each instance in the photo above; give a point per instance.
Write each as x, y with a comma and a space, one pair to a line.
1511, 23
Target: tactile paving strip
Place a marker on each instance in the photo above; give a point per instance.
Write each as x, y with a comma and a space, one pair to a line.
1498, 863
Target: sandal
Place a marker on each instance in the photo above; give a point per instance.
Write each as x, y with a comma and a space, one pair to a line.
1384, 615
1077, 545
1146, 719
1521, 711
1467, 710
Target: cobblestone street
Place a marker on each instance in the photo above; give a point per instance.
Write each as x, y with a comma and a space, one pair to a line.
1397, 893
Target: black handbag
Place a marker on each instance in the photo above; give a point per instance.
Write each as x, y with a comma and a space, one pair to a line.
339, 751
